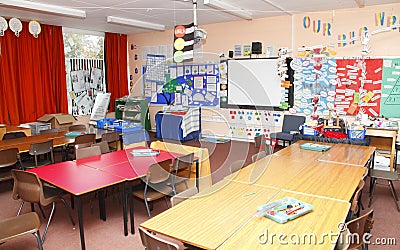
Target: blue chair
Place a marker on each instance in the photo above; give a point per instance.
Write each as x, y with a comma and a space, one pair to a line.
135, 138
291, 124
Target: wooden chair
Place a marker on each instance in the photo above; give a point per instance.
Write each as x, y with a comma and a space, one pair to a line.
104, 148
178, 198
80, 139
357, 227
49, 131
355, 202
152, 241
77, 128
42, 153
8, 160
236, 166
156, 184
17, 226
112, 138
87, 152
13, 135
181, 163
29, 188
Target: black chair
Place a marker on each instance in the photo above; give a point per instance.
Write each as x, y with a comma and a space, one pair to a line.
290, 127
13, 135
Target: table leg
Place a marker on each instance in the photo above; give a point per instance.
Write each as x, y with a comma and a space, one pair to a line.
124, 210
197, 174
131, 208
72, 202
102, 206
80, 221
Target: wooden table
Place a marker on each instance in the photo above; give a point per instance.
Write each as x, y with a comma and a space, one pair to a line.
298, 154
271, 171
348, 154
11, 128
325, 217
337, 181
384, 139
219, 212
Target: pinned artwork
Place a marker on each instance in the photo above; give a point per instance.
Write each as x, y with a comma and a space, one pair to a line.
34, 28
15, 26
3, 25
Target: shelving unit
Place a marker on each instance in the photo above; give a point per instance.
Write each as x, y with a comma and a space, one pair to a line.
136, 110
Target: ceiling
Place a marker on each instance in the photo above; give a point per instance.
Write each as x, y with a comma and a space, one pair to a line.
168, 12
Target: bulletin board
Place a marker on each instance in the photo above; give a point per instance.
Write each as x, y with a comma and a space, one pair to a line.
390, 103
183, 84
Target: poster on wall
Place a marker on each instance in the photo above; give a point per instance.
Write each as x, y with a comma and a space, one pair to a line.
390, 101
358, 86
309, 82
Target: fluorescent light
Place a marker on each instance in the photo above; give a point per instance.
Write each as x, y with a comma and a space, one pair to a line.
135, 23
41, 7
226, 7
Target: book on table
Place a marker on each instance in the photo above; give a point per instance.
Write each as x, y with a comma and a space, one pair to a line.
145, 152
315, 146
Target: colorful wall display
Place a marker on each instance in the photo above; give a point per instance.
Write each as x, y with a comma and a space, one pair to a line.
390, 101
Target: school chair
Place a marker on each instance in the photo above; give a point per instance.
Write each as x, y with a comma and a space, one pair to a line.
290, 127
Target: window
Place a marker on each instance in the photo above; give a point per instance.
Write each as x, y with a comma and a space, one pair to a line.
84, 60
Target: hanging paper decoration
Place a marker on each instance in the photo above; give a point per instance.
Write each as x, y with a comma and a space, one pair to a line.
15, 26
3, 25
183, 42
34, 28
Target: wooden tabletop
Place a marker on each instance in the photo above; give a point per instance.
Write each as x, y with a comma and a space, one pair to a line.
323, 219
209, 218
271, 171
338, 181
348, 154
298, 154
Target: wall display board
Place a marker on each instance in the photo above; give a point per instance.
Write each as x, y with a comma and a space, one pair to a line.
255, 83
183, 84
390, 101
310, 82
84, 82
351, 96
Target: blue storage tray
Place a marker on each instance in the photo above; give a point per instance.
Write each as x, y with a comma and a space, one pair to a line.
288, 209
104, 123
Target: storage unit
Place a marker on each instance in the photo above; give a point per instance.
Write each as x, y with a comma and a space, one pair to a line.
36, 127
136, 111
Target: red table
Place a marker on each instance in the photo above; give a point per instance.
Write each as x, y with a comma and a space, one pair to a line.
78, 180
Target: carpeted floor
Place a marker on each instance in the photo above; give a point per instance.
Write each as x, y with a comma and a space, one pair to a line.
109, 234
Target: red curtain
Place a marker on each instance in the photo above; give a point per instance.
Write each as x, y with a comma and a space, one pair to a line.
32, 75
116, 66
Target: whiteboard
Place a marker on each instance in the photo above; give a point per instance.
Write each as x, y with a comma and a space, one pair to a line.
254, 82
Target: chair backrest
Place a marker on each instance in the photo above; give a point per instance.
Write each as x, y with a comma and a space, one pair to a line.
183, 162
292, 123
78, 127
354, 203
360, 226
83, 145
49, 131
178, 198
13, 135
40, 148
110, 137
259, 141
135, 137
27, 186
86, 138
87, 152
236, 165
8, 157
158, 172
151, 241
258, 156
17, 226
104, 148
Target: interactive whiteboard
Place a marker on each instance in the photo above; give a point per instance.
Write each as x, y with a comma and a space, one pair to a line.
254, 82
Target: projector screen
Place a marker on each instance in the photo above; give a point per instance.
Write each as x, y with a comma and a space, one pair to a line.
254, 82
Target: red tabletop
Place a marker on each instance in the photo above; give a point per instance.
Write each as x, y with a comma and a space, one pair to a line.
74, 178
126, 171
104, 160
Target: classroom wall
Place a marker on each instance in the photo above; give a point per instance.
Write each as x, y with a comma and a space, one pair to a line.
283, 31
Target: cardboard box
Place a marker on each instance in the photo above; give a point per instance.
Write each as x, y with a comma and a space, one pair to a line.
58, 120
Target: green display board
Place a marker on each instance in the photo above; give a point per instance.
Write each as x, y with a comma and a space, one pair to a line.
390, 100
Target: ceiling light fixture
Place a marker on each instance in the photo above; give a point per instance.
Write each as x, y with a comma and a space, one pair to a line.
135, 23
47, 8
226, 7
360, 3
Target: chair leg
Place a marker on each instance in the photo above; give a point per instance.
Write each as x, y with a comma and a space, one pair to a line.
41, 210
48, 222
20, 208
394, 195
166, 201
68, 211
147, 208
39, 241
371, 195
